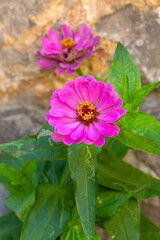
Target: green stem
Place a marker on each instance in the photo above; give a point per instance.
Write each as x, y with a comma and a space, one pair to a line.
109, 143
78, 70
65, 178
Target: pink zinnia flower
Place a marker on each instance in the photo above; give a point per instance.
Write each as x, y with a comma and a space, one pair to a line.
68, 50
85, 110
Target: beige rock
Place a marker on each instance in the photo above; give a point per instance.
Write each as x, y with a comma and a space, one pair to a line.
20, 38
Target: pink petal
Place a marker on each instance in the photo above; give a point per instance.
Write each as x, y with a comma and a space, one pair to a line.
90, 78
47, 63
48, 116
96, 40
74, 66
65, 129
109, 87
53, 36
78, 132
109, 117
103, 128
67, 140
114, 131
60, 109
52, 100
88, 141
114, 97
59, 70
70, 84
88, 54
94, 88
82, 87
80, 45
67, 97
84, 136
108, 101
102, 88
114, 107
100, 141
66, 31
76, 36
53, 121
121, 111
64, 65
72, 91
55, 93
80, 60
50, 47
76, 84
117, 129
93, 134
69, 72
81, 139
104, 101
56, 137
84, 28
89, 44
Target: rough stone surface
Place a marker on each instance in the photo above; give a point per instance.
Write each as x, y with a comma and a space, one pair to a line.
25, 91
3, 194
135, 23
19, 121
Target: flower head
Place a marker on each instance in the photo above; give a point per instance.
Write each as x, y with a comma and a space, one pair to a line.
68, 50
85, 110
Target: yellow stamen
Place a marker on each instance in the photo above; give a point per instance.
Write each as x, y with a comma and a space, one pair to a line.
86, 112
67, 43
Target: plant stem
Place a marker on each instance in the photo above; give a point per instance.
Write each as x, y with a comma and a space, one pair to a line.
78, 70
65, 178
109, 143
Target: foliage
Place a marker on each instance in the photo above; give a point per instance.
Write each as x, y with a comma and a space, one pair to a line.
59, 191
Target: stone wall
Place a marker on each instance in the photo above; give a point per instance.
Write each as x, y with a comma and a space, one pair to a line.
25, 91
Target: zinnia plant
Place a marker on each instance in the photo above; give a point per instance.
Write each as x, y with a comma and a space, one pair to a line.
68, 50
71, 175
85, 110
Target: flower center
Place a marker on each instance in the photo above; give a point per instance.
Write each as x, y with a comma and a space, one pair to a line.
67, 43
86, 112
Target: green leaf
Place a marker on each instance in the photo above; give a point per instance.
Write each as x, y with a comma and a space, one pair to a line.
10, 227
79, 71
22, 187
11, 161
39, 147
98, 79
148, 229
108, 203
115, 147
120, 175
83, 162
49, 213
73, 229
137, 99
140, 131
28, 170
55, 170
21, 203
123, 74
125, 224
11, 175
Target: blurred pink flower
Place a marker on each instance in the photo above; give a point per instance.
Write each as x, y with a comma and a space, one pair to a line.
85, 110
68, 50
